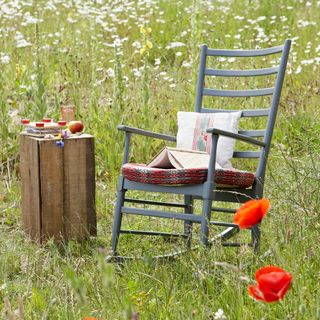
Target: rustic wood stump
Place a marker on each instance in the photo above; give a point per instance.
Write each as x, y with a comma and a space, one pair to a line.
58, 188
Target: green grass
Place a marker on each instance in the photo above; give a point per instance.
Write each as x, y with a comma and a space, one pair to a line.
86, 53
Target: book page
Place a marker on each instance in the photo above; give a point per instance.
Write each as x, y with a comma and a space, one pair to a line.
169, 158
161, 160
189, 158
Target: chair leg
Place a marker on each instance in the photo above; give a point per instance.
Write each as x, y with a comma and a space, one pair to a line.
255, 237
117, 219
206, 216
188, 201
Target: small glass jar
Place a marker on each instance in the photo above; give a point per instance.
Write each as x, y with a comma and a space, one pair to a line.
68, 112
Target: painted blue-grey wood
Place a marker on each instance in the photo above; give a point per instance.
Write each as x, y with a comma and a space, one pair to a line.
241, 73
188, 201
244, 53
246, 154
157, 203
236, 244
238, 93
118, 215
147, 133
274, 108
193, 190
208, 195
252, 133
244, 113
237, 136
200, 81
161, 214
234, 195
223, 224
153, 233
225, 210
229, 232
208, 191
126, 148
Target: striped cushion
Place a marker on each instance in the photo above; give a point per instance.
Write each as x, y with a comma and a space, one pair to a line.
226, 177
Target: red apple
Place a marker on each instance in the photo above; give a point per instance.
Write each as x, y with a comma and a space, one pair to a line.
75, 126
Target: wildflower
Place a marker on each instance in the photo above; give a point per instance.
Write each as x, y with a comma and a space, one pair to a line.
273, 284
22, 43
251, 213
146, 47
4, 59
136, 73
20, 69
60, 143
110, 72
136, 44
157, 62
219, 315
306, 62
143, 50
175, 45
145, 30
186, 64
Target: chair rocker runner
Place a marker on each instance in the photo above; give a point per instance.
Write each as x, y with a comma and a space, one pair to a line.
207, 187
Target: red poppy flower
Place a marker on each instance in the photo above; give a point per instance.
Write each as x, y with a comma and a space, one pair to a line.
251, 213
273, 283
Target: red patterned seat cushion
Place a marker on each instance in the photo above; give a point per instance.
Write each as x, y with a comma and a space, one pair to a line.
145, 174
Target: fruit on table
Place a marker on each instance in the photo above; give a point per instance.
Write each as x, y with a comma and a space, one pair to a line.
47, 120
39, 124
75, 126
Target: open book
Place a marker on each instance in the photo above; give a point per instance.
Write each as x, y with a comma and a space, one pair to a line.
169, 158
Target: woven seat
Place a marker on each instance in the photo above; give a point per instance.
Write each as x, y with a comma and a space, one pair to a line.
226, 177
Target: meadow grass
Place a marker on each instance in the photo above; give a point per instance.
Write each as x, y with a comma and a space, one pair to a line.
94, 55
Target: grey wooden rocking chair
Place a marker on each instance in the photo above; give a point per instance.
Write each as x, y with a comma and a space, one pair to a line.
208, 191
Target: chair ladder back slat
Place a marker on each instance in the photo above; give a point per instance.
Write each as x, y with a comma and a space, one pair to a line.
244, 53
246, 154
238, 93
253, 133
241, 73
245, 113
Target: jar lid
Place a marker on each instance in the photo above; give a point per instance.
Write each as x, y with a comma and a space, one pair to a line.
25, 121
62, 123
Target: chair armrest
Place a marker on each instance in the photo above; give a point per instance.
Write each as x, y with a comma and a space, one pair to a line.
146, 133
236, 136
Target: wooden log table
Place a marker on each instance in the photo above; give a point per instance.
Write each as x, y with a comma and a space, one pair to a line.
58, 188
